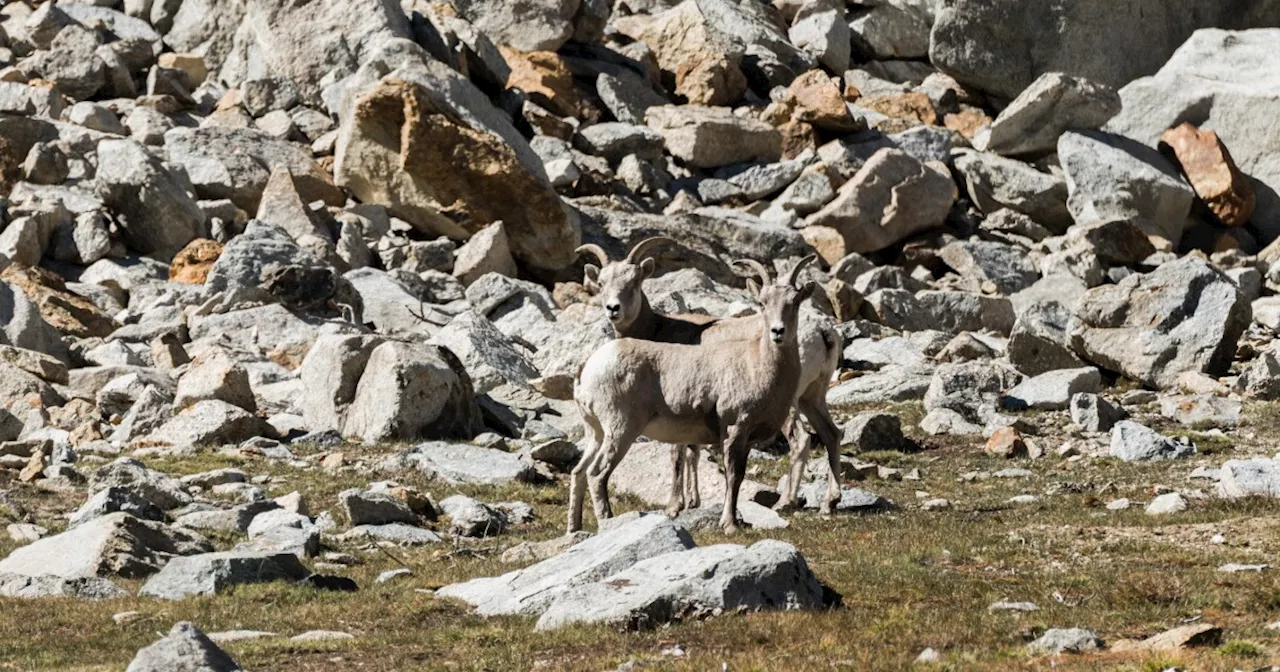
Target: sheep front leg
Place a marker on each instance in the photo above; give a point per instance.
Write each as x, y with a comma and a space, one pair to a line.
798, 442
616, 445
735, 468
691, 493
578, 478
676, 501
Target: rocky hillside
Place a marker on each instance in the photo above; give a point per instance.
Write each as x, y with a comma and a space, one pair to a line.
307, 233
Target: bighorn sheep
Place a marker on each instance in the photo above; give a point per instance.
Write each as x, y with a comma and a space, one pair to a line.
730, 393
618, 284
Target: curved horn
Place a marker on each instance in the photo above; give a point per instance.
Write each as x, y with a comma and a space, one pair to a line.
596, 251
795, 271
762, 273
643, 246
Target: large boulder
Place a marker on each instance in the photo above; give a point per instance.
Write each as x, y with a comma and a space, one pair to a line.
892, 197
427, 144
236, 163
411, 391
214, 573
1053, 104
206, 28
84, 588
209, 423
532, 590
1112, 178
1185, 316
1225, 82
995, 182
465, 464
1002, 46
116, 544
316, 44
24, 326
490, 358
155, 213
249, 266
329, 375
128, 474
1256, 477
527, 25
705, 581
710, 137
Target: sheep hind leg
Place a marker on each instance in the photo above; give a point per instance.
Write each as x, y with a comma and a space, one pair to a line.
735, 469
692, 494
817, 414
676, 500
578, 478
798, 442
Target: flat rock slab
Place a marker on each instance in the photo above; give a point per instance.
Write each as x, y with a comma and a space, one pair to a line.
116, 544
213, 573
85, 588
692, 584
530, 591
460, 463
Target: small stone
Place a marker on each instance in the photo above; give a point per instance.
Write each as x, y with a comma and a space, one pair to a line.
1012, 606
1072, 640
1167, 503
1118, 504
1233, 568
1133, 442
937, 504
392, 574
1006, 442
1021, 500
322, 636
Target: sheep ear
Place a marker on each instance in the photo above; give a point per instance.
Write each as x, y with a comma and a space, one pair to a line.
753, 287
647, 266
591, 278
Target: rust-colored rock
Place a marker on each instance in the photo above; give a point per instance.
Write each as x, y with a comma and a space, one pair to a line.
192, 264
967, 121
1006, 442
818, 101
797, 136
707, 71
66, 311
711, 79
545, 78
1212, 173
910, 107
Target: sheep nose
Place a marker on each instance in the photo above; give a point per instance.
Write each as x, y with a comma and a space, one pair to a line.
778, 333
613, 308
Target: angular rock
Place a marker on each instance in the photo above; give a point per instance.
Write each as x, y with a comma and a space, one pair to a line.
489, 251
971, 389
1095, 414
692, 584
185, 648
116, 544
532, 590
113, 499
1132, 442
215, 375
1004, 266
892, 197
995, 182
84, 588
709, 137
460, 463
1212, 172
155, 213
1040, 341
1167, 503
1202, 410
1053, 104
1072, 640
527, 25
374, 508
1185, 316
133, 476
1255, 477
491, 360
470, 518
1053, 391
329, 374
214, 573
209, 423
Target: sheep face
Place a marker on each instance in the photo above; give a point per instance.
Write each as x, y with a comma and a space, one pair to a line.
780, 308
618, 288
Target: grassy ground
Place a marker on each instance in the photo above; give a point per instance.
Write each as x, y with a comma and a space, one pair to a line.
910, 579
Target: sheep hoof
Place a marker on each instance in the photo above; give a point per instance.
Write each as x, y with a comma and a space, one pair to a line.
673, 510
786, 507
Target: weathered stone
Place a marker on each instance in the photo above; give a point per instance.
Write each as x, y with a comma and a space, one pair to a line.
209, 423
116, 544
534, 589
1003, 266
874, 431
1184, 316
893, 196
132, 501
1256, 477
154, 211
1054, 390
471, 518
215, 375
1202, 410
1213, 174
491, 360
131, 475
192, 264
1095, 414
83, 588
1072, 640
410, 391
1053, 104
329, 376
689, 584
185, 648
214, 573
1132, 442
460, 463
823, 33
995, 182
527, 25
709, 137
971, 389
364, 507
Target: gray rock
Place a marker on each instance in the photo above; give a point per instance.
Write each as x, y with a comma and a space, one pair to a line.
1166, 504
709, 137
893, 383
1112, 178
874, 431
214, 573
70, 63
155, 213
116, 544
527, 25
1202, 410
1184, 316
215, 375
185, 648
1040, 342
471, 518
892, 30
866, 216
824, 34
1072, 640
460, 463
1255, 477
364, 507
84, 588
396, 533
410, 391
812, 493
952, 312
995, 182
386, 303
691, 584
532, 590
627, 96
1053, 391
329, 375
112, 499
18, 98
133, 476
235, 520
1222, 81
209, 423
614, 140
1095, 414
268, 94
24, 327
1004, 266
1132, 442
972, 389
488, 251
148, 413
491, 360
1053, 104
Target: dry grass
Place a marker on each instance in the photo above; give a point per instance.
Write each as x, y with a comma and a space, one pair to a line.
910, 579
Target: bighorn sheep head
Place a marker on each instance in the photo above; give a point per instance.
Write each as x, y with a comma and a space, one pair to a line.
618, 283
779, 301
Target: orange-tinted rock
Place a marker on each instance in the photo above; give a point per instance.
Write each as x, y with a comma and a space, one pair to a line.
1006, 442
711, 79
1212, 173
967, 121
911, 107
66, 311
797, 136
545, 78
818, 101
192, 264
